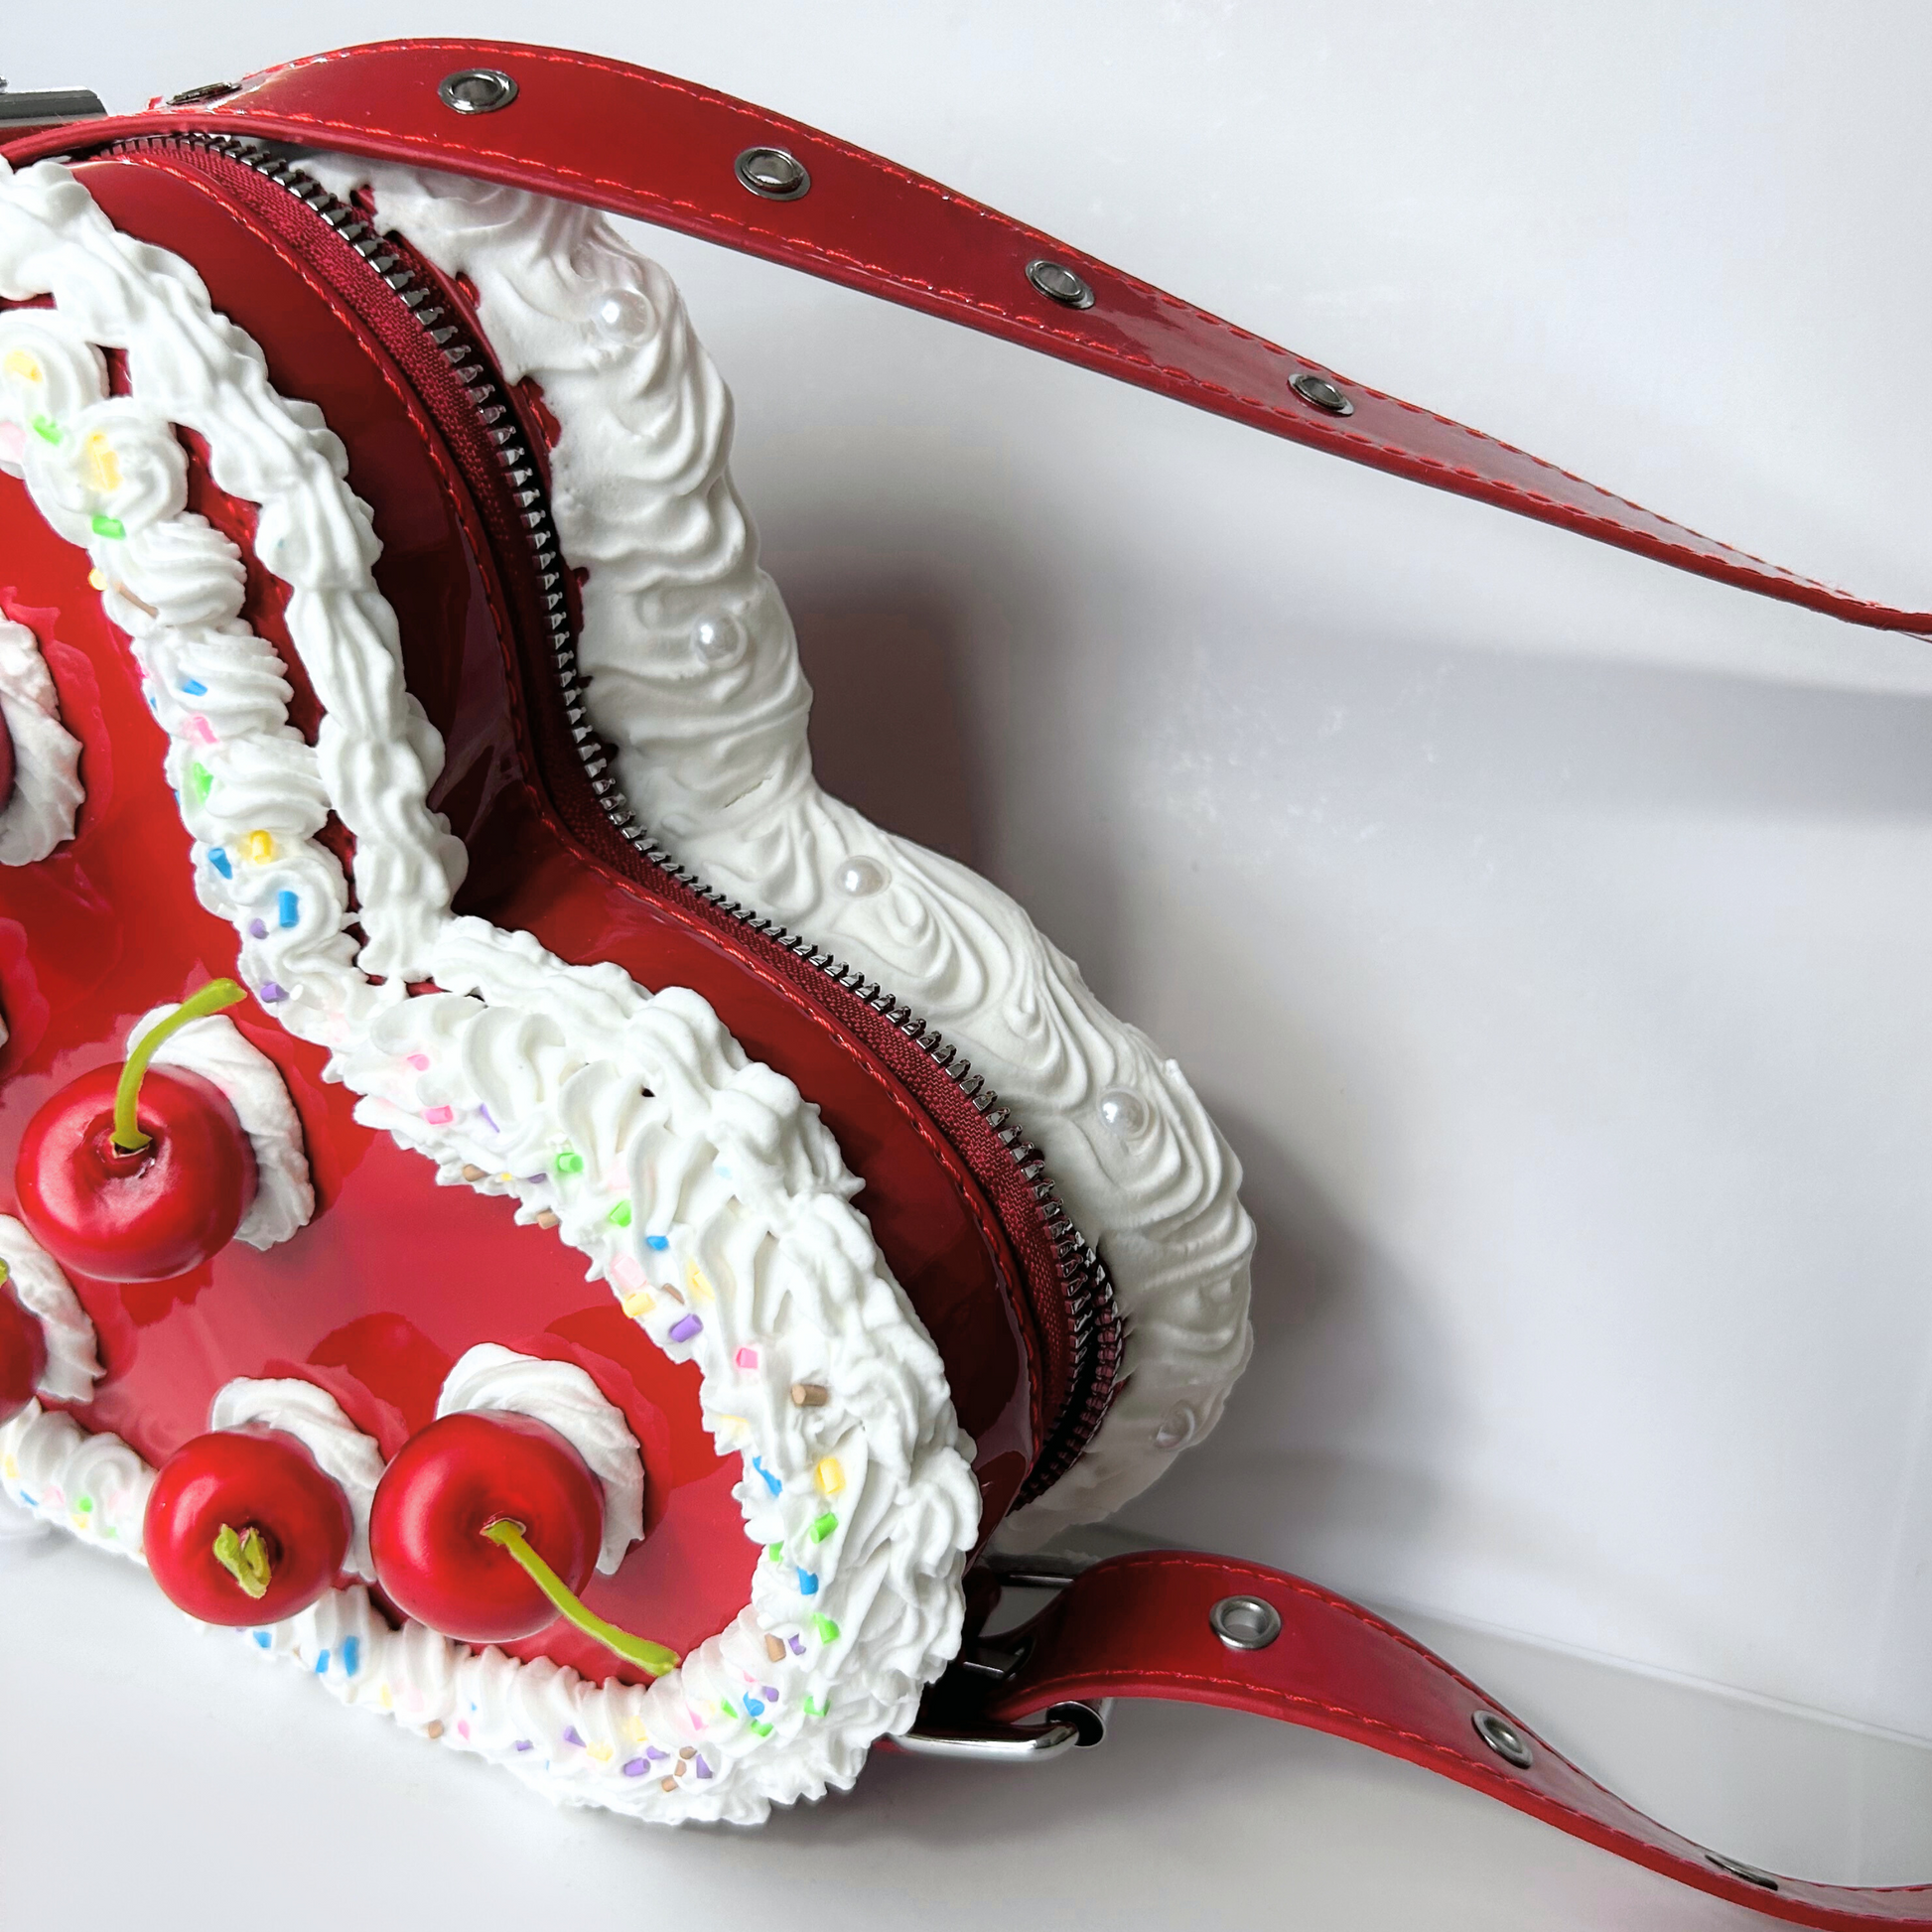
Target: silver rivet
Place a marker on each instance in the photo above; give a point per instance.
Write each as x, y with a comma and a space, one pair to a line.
773, 173
1323, 393
476, 90
1503, 1738
861, 878
1245, 1623
1737, 1868
209, 90
1177, 1427
1058, 283
1124, 1113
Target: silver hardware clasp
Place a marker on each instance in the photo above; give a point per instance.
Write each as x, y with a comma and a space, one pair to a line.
953, 1721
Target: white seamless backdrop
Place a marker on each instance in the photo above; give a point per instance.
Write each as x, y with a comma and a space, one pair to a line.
1551, 934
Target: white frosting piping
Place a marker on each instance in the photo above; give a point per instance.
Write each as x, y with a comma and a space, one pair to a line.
249, 1081
38, 813
44, 1291
867, 1502
350, 1458
694, 676
563, 1395
94, 1486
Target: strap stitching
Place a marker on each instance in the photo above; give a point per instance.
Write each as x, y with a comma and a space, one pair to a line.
1280, 412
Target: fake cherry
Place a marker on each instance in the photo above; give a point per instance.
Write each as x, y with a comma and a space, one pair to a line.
132, 1175
446, 1486
243, 1528
469, 1521
22, 1352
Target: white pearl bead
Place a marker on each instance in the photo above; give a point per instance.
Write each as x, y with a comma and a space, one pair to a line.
1177, 1427
861, 878
624, 315
1123, 1112
718, 640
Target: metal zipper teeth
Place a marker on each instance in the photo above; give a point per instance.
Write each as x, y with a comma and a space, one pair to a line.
1097, 1330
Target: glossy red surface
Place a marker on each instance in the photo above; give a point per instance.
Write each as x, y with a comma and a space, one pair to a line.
659, 148
23, 1354
396, 1278
146, 1216
444, 1487
245, 1480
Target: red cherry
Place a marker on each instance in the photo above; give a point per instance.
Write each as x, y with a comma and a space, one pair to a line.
446, 1486
23, 1353
135, 1217
256, 1496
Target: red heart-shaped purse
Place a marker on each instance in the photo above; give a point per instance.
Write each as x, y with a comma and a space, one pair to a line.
516, 1200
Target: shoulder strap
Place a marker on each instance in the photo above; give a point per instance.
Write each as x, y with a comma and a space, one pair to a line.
1146, 1626
645, 144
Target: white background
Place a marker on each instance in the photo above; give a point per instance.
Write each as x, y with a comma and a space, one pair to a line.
1549, 933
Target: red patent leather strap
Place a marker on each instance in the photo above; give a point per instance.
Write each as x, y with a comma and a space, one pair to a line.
1138, 1627
649, 145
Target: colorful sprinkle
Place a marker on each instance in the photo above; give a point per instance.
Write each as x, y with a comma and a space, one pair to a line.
201, 780
654, 1754
571, 1736
570, 1162
829, 1477
321, 1664
704, 1770
600, 1754
824, 1526
694, 1279
488, 1121
770, 1693
762, 1729
627, 1273
109, 526
637, 1767
287, 909
438, 1116
95, 581
771, 1482
754, 1706
352, 1655
46, 428
191, 687
656, 1241
545, 1220
797, 1646
271, 993
20, 363
102, 465
523, 1744
638, 1304
420, 1061
807, 1583
775, 1649
219, 861
746, 1358
687, 1326
828, 1631
814, 1707
775, 1551
434, 1728
809, 1395
667, 1784
728, 1707
619, 1215
256, 931
463, 1728
202, 730
258, 848
263, 1640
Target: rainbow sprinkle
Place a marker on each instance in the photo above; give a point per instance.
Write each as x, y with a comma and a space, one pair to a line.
828, 1631
287, 910
807, 1583
619, 1215
746, 1358
686, 1327
771, 1482
570, 1162
109, 526
824, 1526
258, 848
219, 861
656, 1241
201, 780
46, 428
438, 1116
829, 1477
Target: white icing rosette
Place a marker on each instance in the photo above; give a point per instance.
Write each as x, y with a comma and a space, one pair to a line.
717, 1206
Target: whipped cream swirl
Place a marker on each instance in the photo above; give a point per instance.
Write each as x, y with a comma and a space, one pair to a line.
39, 812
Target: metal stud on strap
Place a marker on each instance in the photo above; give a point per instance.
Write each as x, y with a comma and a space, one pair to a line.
476, 90
1503, 1738
1245, 1623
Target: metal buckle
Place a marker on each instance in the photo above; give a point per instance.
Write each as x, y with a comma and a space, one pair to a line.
953, 1721
27, 113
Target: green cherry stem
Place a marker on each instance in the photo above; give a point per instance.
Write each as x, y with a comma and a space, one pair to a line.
216, 994
245, 1559
652, 1657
